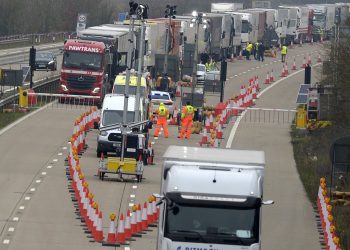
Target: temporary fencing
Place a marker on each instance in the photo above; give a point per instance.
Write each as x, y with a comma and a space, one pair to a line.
330, 235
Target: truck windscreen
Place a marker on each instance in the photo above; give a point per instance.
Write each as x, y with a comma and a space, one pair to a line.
213, 224
245, 26
110, 117
77, 60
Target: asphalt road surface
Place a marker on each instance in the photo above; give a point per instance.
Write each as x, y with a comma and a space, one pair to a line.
32, 165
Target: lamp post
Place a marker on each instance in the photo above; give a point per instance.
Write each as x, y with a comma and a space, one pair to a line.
198, 18
170, 12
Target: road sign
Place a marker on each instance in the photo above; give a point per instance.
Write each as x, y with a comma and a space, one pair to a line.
213, 86
81, 22
12, 77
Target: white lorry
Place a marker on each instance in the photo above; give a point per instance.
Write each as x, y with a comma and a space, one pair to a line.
211, 199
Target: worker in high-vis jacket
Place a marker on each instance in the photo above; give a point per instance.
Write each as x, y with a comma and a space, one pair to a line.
162, 114
284, 53
187, 114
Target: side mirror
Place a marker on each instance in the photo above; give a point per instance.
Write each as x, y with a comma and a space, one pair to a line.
172, 96
268, 202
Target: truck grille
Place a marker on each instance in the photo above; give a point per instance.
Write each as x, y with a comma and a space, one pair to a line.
81, 82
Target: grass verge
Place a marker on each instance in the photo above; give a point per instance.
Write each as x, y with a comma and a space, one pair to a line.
7, 118
311, 153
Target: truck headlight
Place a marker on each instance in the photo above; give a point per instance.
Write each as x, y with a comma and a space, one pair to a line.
103, 133
64, 87
51, 62
96, 90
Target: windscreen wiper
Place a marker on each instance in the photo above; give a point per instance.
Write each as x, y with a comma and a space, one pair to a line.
233, 238
192, 232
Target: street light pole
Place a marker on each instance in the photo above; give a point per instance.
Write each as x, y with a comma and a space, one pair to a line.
195, 61
139, 71
166, 52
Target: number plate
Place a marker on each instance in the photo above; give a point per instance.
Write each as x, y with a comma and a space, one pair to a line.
116, 145
131, 150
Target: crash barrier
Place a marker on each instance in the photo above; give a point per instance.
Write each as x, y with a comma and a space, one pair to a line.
135, 222
327, 220
216, 119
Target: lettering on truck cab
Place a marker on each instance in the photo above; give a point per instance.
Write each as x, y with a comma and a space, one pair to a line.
84, 49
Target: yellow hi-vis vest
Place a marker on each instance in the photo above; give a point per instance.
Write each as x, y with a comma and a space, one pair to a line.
284, 50
162, 111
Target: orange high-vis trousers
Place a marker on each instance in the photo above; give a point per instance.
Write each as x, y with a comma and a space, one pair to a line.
186, 127
162, 122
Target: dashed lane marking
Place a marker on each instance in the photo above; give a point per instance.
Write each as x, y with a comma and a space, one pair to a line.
38, 181
27, 198
134, 187
132, 196
59, 154
55, 160
15, 219
11, 229
49, 167
131, 204
21, 208
64, 148
6, 242
32, 190
43, 173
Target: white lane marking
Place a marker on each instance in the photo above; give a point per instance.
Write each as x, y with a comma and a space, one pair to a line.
49, 167
257, 67
55, 160
27, 198
152, 142
134, 187
131, 204
235, 75
64, 148
43, 173
235, 126
266, 64
11, 229
248, 70
15, 219
21, 208
38, 181
6, 242
32, 190
155, 138
132, 196
59, 154
127, 248
244, 72
231, 77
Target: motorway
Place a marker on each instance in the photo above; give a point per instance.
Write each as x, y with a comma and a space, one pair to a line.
38, 213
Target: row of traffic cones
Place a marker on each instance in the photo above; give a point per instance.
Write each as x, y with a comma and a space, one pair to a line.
137, 222
86, 207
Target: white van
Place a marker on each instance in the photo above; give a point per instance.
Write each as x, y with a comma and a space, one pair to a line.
112, 113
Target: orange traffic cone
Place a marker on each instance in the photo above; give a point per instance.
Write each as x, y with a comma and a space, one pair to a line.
216, 143
272, 78
99, 232
267, 79
154, 209
134, 222
178, 90
144, 223
219, 132
304, 63
138, 219
294, 67
127, 226
204, 137
283, 71
319, 58
286, 69
120, 237
150, 155
101, 165
309, 60
111, 240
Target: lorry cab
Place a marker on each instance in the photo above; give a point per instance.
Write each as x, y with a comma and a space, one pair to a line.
112, 113
211, 199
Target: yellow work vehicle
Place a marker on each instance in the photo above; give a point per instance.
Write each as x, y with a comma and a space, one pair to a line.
119, 85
